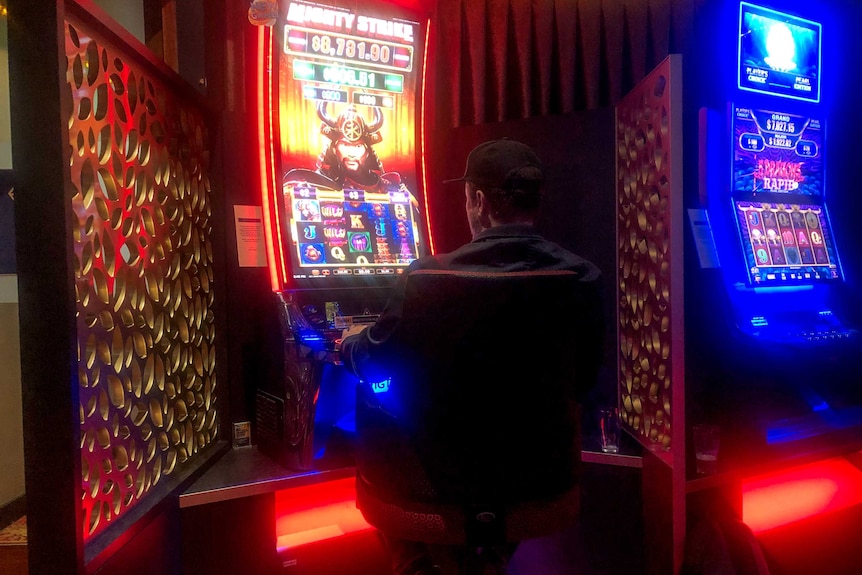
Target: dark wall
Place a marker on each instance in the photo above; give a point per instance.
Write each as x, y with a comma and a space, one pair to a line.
155, 550
578, 210
191, 47
7, 223
842, 85
252, 336
236, 536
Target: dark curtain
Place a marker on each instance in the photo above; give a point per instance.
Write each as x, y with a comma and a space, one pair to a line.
508, 59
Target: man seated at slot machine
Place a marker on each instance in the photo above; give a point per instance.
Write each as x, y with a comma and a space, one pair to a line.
503, 182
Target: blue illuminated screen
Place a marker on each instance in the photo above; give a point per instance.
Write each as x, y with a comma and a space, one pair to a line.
777, 152
779, 54
786, 244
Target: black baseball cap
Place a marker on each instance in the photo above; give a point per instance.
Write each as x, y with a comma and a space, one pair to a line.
503, 164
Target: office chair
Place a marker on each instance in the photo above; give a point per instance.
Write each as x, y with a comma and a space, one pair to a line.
477, 440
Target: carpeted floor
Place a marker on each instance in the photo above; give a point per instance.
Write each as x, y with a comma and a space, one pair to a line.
13, 548
15, 534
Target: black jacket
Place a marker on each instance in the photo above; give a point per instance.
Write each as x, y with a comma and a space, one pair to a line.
504, 248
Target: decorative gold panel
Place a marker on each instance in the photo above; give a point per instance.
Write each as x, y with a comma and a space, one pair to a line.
645, 266
143, 277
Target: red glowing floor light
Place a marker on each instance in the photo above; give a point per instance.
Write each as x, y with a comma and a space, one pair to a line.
313, 513
781, 498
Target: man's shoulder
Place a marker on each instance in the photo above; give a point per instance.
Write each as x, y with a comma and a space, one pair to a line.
570, 260
429, 262
515, 249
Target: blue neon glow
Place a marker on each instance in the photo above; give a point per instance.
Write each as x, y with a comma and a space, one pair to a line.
779, 54
821, 420
381, 386
780, 289
311, 338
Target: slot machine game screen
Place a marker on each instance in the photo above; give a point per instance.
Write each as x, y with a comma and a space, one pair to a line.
787, 244
348, 95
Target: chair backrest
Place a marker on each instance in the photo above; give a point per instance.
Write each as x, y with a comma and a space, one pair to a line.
482, 406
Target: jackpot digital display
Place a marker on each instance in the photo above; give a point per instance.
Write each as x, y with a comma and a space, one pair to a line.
777, 152
786, 244
779, 54
348, 96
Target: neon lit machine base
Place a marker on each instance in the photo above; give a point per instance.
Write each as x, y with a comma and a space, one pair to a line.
807, 519
319, 531
307, 420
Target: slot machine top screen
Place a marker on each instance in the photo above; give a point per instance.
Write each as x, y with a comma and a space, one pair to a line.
779, 54
348, 95
778, 153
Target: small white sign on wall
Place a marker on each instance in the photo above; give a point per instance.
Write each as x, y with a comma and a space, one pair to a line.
8, 288
250, 244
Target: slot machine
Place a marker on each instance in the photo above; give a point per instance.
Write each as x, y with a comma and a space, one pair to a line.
341, 93
770, 306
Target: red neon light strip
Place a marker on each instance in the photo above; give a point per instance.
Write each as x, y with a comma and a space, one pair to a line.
276, 188
315, 513
325, 522
422, 137
781, 498
263, 154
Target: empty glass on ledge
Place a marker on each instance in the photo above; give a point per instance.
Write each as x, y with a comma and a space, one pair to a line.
706, 440
609, 425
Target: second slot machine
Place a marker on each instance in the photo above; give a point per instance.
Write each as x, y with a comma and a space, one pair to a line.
341, 93
775, 364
